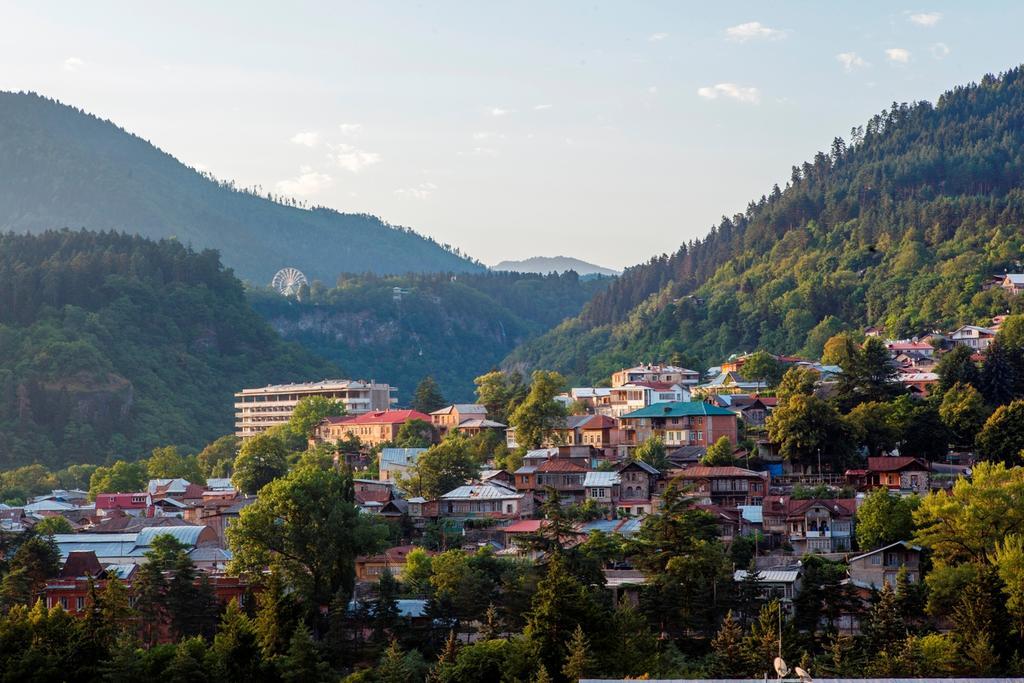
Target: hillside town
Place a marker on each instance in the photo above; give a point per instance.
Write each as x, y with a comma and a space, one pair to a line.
580, 467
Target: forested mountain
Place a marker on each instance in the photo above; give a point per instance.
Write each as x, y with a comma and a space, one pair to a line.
553, 264
399, 329
113, 344
62, 167
898, 226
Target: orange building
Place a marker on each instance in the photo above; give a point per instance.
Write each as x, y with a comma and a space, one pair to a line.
372, 429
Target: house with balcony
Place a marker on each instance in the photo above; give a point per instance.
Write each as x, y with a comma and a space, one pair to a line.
972, 336
491, 499
684, 423
899, 473
563, 475
811, 526
881, 566
451, 417
1013, 283
655, 373
728, 487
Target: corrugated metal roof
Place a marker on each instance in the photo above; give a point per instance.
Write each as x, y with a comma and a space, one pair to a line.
770, 575
476, 491
402, 457
752, 513
601, 479
189, 535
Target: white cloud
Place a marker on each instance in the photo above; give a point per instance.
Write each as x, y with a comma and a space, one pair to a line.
498, 111
657, 37
926, 18
752, 30
307, 138
421, 191
851, 60
542, 107
480, 152
652, 89
350, 129
898, 55
73, 64
940, 50
739, 93
481, 135
308, 182
352, 159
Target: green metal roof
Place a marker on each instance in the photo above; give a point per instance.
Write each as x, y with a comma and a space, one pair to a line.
678, 409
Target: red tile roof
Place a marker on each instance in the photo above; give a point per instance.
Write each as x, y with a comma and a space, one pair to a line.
894, 464
381, 417
599, 422
560, 465
701, 471
524, 526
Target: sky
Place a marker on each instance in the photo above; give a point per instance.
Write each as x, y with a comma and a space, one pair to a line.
608, 131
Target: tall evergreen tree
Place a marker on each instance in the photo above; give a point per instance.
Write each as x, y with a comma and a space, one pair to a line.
727, 647
578, 660
428, 396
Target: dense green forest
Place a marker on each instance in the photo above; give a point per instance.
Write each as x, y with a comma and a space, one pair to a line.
897, 226
63, 168
113, 344
451, 327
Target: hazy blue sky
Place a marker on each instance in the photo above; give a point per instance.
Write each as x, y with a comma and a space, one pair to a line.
607, 131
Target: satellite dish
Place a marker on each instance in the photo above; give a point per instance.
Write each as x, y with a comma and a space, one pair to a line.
804, 676
780, 667
288, 281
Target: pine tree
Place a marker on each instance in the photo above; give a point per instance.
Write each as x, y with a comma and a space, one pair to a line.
393, 667
302, 663
542, 675
150, 590
273, 617
491, 628
750, 593
385, 607
187, 666
428, 397
761, 645
998, 375
236, 648
885, 627
577, 662
728, 650
842, 656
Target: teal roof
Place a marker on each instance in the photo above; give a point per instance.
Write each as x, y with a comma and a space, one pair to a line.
679, 409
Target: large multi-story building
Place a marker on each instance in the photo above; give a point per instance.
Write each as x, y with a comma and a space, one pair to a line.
685, 423
372, 429
670, 374
260, 408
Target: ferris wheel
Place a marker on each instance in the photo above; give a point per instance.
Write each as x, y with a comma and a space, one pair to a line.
288, 281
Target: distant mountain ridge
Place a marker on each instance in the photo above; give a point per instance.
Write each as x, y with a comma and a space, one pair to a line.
62, 167
553, 264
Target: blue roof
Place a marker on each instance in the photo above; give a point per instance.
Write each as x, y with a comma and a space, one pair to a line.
403, 457
189, 535
679, 409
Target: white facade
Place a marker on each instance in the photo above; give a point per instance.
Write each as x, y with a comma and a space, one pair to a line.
258, 409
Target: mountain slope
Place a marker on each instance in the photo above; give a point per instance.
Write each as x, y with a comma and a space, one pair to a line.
112, 344
899, 227
65, 168
553, 264
454, 329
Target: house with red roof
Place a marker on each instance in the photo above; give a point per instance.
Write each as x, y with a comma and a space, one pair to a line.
726, 486
812, 525
899, 473
133, 504
372, 429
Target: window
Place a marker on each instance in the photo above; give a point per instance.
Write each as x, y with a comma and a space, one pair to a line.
80, 603
876, 559
64, 603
